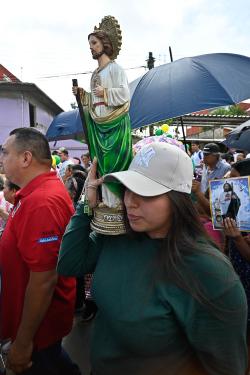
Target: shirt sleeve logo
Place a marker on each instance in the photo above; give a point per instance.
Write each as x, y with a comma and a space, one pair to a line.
48, 239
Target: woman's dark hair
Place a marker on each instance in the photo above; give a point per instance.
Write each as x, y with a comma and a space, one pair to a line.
1, 183
12, 186
186, 236
103, 37
75, 185
78, 167
79, 171
243, 167
228, 157
78, 159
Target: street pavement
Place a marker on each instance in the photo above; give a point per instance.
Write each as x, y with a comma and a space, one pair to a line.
77, 344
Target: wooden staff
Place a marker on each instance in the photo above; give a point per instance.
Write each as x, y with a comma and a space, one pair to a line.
80, 108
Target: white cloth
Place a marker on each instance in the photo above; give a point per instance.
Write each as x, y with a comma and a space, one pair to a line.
114, 80
225, 199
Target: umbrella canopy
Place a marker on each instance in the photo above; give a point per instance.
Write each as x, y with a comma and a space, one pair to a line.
66, 125
239, 138
189, 85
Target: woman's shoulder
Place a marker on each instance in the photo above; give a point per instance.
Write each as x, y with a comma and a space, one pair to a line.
211, 269
207, 258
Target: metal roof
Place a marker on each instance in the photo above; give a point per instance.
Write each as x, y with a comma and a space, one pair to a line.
31, 88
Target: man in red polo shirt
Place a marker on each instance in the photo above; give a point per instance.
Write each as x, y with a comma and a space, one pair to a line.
36, 306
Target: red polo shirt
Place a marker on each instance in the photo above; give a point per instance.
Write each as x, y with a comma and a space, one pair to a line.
30, 242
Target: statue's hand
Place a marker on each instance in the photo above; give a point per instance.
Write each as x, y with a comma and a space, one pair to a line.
99, 91
75, 89
92, 184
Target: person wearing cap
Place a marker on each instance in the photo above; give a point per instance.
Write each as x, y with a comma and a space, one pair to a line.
214, 167
168, 301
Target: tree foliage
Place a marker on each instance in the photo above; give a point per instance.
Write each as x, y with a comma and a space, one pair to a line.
232, 110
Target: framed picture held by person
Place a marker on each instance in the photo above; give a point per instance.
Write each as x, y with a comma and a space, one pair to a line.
230, 198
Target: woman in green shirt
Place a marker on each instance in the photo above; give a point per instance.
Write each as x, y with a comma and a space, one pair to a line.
169, 303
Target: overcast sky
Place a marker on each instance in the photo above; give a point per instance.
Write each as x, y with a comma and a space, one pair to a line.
49, 37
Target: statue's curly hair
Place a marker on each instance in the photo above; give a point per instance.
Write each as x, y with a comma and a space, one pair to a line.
103, 37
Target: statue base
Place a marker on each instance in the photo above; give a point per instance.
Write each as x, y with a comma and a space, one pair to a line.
108, 221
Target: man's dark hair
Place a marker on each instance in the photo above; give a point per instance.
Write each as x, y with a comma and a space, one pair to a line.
197, 143
103, 37
29, 139
243, 167
65, 152
87, 155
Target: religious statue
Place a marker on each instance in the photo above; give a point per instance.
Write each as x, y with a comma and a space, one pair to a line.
106, 115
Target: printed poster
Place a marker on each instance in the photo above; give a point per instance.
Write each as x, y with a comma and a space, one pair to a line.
230, 197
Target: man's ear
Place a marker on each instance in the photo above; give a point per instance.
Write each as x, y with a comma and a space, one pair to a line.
27, 158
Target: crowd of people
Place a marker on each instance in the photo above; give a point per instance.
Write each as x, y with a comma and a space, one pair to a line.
165, 295
170, 295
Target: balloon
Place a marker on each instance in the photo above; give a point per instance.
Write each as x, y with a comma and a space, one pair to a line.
165, 128
158, 132
53, 161
57, 158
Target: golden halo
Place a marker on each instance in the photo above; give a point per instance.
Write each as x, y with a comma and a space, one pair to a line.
112, 28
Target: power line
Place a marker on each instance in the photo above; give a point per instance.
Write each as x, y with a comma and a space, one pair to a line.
87, 72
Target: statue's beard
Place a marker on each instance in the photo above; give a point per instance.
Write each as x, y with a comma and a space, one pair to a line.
96, 55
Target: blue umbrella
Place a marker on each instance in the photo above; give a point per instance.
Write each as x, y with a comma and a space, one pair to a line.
189, 85
239, 138
66, 125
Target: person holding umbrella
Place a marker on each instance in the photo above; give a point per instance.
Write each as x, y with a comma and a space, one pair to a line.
168, 300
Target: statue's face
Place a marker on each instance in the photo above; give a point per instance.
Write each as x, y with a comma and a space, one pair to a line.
96, 47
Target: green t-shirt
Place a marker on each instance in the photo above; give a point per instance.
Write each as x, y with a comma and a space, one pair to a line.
149, 327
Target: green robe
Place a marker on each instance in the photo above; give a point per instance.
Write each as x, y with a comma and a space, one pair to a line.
111, 143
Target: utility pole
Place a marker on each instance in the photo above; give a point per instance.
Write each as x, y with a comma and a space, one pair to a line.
150, 61
151, 65
181, 119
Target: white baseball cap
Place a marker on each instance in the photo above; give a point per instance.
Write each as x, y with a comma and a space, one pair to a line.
156, 169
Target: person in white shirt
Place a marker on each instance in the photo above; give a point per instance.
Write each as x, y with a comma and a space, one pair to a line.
197, 154
65, 160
